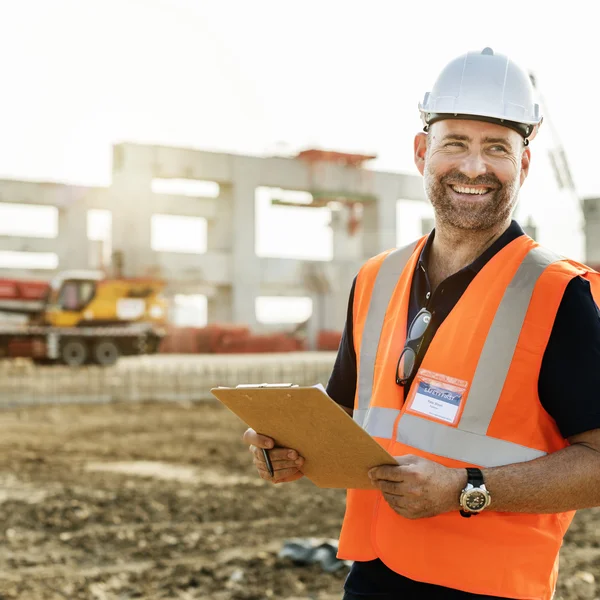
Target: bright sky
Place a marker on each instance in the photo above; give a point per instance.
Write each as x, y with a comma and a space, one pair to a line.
265, 76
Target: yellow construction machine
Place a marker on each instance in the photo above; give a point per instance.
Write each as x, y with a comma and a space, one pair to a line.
82, 317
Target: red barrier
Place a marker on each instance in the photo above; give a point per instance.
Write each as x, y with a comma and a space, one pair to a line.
26, 348
16, 289
225, 339
328, 340
201, 340
276, 342
180, 340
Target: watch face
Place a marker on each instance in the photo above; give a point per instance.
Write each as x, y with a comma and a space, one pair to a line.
475, 500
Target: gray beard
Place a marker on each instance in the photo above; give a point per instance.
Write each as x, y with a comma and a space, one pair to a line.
475, 216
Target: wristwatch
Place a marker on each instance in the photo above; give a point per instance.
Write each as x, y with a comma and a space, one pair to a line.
474, 498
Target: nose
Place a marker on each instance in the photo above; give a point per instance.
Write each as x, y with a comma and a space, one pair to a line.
473, 165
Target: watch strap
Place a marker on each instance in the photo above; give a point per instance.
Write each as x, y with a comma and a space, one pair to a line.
474, 477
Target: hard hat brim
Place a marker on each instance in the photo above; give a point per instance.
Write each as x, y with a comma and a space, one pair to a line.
523, 129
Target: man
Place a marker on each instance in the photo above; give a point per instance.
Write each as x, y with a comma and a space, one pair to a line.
472, 356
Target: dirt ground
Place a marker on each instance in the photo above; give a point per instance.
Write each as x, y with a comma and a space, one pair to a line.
122, 501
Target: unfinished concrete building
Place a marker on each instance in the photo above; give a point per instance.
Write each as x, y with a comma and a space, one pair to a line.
224, 266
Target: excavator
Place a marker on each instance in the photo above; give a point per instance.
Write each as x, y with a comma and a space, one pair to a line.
81, 317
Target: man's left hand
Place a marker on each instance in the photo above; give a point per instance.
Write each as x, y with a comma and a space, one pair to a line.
418, 488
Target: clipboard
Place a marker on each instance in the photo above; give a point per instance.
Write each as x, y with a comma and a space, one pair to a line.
338, 452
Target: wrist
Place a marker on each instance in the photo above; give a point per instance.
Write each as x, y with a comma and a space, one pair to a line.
459, 482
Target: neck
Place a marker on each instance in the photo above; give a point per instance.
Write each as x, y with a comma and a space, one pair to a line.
453, 249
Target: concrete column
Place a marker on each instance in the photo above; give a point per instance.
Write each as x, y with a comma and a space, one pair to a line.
530, 228
591, 213
245, 267
130, 196
379, 222
132, 227
220, 228
313, 325
219, 306
74, 247
329, 289
346, 246
427, 225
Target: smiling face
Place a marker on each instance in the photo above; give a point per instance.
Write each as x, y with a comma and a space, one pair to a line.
473, 172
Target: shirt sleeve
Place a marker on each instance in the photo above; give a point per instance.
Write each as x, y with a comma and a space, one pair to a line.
342, 383
569, 381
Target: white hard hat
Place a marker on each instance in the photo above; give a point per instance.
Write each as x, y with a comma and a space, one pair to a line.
483, 86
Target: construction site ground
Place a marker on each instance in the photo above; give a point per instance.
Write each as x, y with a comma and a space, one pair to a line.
160, 500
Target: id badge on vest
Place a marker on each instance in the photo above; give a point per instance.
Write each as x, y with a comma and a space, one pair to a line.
437, 397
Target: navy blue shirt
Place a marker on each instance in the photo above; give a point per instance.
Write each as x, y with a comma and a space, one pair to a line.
569, 371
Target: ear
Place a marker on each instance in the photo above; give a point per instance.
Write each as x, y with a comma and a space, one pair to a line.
420, 151
536, 128
525, 161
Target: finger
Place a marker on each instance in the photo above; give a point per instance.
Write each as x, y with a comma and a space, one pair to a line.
284, 474
298, 475
278, 476
276, 453
287, 464
406, 509
264, 474
252, 438
398, 506
391, 487
278, 465
396, 502
387, 472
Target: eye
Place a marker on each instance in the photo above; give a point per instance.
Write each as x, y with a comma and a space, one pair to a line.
498, 148
455, 144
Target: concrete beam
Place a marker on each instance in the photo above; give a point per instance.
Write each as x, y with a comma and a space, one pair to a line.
44, 193
406, 186
34, 244
185, 206
212, 268
39, 274
287, 173
281, 271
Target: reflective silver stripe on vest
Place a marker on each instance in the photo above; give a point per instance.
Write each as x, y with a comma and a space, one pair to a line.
359, 414
379, 421
442, 440
499, 347
385, 283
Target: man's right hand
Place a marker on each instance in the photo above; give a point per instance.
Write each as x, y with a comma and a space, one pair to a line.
286, 462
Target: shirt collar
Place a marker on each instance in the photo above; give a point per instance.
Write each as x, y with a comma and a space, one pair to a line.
513, 231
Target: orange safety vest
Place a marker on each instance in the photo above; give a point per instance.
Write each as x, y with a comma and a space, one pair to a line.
494, 341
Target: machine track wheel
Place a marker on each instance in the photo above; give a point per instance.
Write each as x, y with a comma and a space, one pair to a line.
105, 353
73, 352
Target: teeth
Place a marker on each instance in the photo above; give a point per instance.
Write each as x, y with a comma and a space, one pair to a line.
468, 190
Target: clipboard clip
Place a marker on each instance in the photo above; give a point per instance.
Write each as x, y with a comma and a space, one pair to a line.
266, 385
